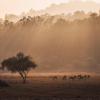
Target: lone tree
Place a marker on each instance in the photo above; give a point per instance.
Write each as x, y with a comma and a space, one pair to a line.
19, 64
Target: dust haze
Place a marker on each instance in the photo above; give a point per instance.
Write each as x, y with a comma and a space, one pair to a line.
58, 40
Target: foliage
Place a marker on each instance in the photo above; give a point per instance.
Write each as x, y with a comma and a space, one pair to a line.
20, 63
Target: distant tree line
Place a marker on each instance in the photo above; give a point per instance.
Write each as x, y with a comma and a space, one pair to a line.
68, 40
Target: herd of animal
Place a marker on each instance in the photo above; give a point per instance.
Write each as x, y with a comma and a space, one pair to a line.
73, 77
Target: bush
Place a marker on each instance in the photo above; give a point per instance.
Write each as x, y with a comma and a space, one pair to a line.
3, 84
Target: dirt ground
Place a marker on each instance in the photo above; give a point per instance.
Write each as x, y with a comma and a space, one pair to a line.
47, 88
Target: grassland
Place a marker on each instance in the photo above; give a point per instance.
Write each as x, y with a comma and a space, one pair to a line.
47, 88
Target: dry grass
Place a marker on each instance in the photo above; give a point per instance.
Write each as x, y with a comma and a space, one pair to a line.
45, 88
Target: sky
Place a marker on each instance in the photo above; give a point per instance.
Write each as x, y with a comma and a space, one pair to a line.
19, 6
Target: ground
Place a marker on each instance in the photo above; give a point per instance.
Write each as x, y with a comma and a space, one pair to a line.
47, 88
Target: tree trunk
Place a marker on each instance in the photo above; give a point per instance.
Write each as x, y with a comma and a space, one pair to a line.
23, 76
24, 80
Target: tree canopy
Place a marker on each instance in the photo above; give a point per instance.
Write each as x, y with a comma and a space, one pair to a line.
19, 63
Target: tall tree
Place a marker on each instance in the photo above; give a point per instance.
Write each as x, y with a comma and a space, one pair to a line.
20, 64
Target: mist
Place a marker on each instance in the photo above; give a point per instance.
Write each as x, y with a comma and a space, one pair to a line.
56, 43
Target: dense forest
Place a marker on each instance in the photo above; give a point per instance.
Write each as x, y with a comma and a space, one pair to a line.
55, 42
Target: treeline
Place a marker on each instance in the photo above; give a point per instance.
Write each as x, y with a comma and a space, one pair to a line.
54, 41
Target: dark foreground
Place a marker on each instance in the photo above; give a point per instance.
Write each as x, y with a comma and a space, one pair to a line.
46, 88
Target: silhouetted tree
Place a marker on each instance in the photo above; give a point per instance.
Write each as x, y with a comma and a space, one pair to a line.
20, 63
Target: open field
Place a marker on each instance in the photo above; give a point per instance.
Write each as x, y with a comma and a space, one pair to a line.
47, 88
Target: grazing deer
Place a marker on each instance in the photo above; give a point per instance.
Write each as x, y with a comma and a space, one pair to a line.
86, 76
64, 77
55, 78
72, 77
80, 77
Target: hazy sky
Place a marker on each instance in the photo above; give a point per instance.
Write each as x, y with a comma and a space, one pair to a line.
18, 6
